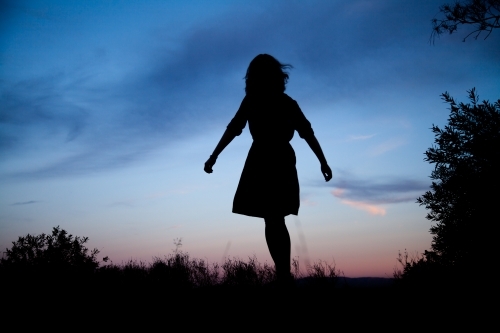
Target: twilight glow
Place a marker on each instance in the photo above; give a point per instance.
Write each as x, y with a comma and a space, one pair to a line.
109, 109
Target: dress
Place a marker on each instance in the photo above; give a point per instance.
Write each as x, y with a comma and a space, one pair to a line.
269, 185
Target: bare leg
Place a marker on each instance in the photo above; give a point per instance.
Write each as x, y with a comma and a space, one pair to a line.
278, 242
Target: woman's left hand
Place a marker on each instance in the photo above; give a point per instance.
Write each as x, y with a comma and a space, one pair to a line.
209, 164
327, 172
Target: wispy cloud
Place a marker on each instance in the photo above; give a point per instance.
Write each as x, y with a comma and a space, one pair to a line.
387, 146
24, 203
113, 123
372, 196
371, 209
81, 163
360, 137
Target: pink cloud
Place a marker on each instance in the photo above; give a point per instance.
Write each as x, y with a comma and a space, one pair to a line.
370, 208
338, 192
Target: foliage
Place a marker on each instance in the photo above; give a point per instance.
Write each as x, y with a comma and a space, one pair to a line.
58, 251
418, 270
465, 181
484, 15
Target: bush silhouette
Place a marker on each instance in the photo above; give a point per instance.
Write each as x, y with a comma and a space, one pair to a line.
56, 254
464, 193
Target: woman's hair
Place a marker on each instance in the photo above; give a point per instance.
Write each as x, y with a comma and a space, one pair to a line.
265, 74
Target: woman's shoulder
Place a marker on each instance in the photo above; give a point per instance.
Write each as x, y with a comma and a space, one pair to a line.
290, 102
274, 99
288, 99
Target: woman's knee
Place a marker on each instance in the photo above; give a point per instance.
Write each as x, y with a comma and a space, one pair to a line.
274, 221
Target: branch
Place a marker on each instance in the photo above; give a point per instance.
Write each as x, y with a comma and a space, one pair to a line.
470, 12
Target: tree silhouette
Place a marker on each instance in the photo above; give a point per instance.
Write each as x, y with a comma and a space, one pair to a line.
464, 191
484, 15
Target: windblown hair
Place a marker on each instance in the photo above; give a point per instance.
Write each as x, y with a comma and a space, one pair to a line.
266, 75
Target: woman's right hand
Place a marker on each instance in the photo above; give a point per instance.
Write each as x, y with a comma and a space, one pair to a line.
326, 171
209, 164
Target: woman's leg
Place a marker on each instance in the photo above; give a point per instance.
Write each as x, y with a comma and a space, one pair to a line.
278, 242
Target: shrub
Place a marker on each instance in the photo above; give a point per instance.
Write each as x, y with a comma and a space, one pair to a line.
463, 196
57, 251
424, 271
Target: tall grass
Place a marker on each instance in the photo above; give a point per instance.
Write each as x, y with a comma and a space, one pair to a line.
179, 270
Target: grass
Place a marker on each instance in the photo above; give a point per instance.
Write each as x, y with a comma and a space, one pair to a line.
180, 271
178, 286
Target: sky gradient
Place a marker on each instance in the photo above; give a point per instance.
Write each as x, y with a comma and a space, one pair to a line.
109, 109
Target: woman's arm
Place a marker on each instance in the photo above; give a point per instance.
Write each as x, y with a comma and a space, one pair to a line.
316, 148
226, 139
303, 127
234, 129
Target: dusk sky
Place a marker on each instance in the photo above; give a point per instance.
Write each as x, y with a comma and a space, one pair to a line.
109, 109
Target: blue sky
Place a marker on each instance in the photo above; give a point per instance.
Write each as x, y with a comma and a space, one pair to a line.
108, 110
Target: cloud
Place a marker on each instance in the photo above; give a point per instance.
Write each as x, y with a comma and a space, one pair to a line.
360, 137
386, 190
81, 163
371, 209
339, 192
24, 203
32, 108
339, 50
88, 133
370, 196
387, 146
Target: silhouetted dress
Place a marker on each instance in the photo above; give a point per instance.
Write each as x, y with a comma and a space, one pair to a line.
269, 185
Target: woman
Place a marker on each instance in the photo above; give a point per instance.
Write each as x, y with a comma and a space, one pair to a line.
268, 186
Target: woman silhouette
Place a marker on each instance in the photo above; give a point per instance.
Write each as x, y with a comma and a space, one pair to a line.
268, 186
